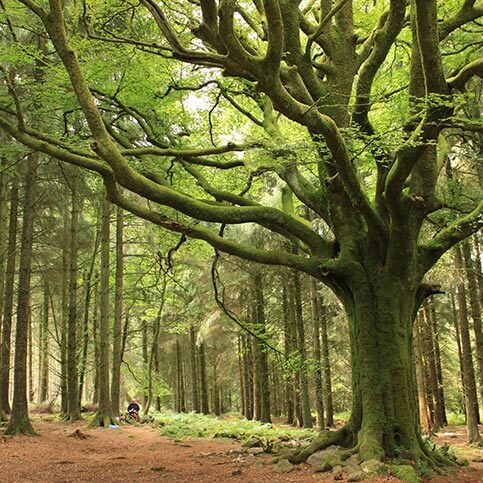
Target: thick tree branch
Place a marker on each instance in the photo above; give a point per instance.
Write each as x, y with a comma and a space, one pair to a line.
459, 80
467, 13
383, 40
454, 233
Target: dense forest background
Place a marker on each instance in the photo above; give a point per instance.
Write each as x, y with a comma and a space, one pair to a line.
187, 329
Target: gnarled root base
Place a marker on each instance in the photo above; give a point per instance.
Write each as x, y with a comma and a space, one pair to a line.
101, 420
371, 457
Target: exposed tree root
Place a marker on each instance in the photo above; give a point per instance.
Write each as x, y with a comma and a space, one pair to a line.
342, 437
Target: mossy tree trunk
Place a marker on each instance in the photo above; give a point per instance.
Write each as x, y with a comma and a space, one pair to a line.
104, 416
73, 406
118, 308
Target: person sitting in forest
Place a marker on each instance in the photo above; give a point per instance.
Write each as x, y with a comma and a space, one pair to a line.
133, 410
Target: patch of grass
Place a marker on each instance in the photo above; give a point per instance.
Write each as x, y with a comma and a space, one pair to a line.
456, 419
193, 425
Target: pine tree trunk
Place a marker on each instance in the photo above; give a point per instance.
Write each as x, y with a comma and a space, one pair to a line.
433, 373
203, 382
248, 376
3, 230
118, 307
95, 340
475, 308
328, 403
63, 324
319, 397
437, 354
262, 384
287, 308
104, 416
154, 347
469, 387
31, 391
456, 326
418, 360
195, 394
216, 392
44, 346
8, 301
88, 282
303, 378
19, 420
73, 408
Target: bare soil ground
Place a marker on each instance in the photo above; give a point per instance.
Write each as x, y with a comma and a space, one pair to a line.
139, 453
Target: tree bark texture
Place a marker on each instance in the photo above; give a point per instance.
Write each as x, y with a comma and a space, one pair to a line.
19, 419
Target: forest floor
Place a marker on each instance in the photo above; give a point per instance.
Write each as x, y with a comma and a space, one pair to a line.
140, 453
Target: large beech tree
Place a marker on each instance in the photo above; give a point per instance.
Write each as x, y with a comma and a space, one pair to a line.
310, 65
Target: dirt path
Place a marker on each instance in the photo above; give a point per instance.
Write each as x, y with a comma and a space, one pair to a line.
137, 454
130, 454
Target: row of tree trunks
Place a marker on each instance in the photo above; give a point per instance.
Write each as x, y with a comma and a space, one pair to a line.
468, 373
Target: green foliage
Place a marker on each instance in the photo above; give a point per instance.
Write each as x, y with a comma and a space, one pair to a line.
193, 425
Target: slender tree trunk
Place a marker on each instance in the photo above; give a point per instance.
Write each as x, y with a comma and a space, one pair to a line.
144, 330
248, 376
154, 345
475, 308
8, 302
454, 313
328, 403
437, 355
418, 359
195, 395
31, 391
287, 308
203, 382
63, 327
430, 354
104, 416
216, 392
117, 325
472, 412
19, 420
87, 308
44, 346
304, 385
319, 397
73, 408
261, 356
3, 230
95, 340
